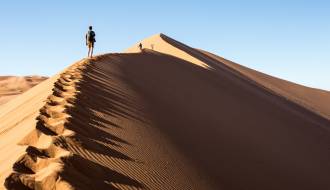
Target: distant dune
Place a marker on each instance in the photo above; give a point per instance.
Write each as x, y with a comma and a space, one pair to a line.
169, 117
11, 86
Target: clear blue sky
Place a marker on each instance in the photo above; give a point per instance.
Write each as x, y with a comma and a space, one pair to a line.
285, 38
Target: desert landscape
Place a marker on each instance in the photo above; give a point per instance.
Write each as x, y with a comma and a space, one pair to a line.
169, 117
11, 86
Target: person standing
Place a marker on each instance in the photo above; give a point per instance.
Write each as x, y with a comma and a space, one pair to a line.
90, 40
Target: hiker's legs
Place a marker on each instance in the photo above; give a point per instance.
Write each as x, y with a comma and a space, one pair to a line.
92, 49
89, 50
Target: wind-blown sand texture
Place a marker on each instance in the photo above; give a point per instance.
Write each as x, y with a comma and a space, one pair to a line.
169, 118
11, 86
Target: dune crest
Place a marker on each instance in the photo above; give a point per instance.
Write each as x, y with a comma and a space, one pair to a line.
157, 43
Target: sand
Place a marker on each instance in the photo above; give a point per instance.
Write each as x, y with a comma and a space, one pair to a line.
11, 86
169, 118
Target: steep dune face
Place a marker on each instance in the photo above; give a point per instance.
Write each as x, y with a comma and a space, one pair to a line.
314, 99
235, 133
174, 118
11, 86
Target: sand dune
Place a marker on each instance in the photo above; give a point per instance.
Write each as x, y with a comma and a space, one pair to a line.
11, 86
169, 118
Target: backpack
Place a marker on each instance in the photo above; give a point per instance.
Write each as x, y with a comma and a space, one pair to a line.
91, 36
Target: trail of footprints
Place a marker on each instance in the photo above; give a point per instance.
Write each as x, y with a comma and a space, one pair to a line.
40, 166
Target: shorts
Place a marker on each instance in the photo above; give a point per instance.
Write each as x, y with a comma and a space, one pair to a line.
90, 44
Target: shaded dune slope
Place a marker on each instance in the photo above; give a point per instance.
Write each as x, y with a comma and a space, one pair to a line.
314, 100
154, 121
311, 98
240, 136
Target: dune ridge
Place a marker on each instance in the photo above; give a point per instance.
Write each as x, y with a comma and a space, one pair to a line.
158, 43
